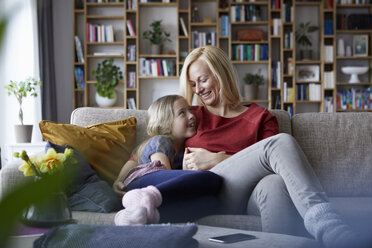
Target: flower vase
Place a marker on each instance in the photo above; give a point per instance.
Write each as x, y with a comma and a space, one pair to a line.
51, 212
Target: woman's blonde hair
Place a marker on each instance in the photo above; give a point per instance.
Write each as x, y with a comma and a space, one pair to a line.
159, 120
221, 67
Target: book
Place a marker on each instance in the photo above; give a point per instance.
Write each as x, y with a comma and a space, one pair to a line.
184, 29
131, 103
131, 30
79, 50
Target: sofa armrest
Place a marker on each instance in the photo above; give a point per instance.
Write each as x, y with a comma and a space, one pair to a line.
10, 176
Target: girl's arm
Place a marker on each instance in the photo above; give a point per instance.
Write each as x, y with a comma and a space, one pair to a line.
162, 158
202, 159
118, 185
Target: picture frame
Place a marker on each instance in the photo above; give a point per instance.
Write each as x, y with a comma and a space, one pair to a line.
360, 45
307, 73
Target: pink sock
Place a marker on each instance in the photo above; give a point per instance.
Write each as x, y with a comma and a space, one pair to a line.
131, 216
149, 197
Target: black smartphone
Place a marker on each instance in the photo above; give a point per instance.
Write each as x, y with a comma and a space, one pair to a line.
232, 238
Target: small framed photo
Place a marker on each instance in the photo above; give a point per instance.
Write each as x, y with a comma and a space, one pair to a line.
307, 73
360, 45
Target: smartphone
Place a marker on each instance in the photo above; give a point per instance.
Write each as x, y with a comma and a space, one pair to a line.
232, 238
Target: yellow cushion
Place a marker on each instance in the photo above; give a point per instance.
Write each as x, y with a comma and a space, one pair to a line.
106, 146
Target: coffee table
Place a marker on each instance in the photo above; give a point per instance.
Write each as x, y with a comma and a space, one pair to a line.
264, 240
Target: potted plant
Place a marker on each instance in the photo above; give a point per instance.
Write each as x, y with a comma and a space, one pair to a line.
157, 36
21, 90
252, 81
303, 38
108, 76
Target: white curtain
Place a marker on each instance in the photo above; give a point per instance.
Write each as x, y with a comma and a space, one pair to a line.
18, 61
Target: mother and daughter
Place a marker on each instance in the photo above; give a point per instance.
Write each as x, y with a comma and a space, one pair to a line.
232, 151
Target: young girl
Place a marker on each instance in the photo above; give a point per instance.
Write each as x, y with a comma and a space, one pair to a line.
159, 179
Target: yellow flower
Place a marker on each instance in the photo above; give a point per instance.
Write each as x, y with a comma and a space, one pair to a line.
48, 163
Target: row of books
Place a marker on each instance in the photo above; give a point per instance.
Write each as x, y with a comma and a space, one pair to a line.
224, 25
328, 4
353, 1
104, 1
79, 50
275, 4
311, 92
131, 30
199, 39
328, 104
290, 110
288, 12
277, 23
328, 53
131, 103
328, 27
183, 27
157, 67
131, 53
158, 1
79, 77
131, 79
99, 33
275, 75
250, 52
354, 99
329, 80
244, 13
277, 104
132, 4
288, 93
288, 40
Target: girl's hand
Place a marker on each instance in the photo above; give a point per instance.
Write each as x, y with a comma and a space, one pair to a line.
201, 159
118, 187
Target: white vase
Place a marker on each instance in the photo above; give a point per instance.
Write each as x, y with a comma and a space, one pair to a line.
105, 101
340, 47
250, 91
23, 133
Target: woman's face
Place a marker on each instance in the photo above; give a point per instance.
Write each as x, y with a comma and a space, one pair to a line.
204, 83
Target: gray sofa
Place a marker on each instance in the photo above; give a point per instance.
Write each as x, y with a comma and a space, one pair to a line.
337, 145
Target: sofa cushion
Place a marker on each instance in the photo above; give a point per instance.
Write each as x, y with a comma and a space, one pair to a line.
106, 146
338, 146
86, 116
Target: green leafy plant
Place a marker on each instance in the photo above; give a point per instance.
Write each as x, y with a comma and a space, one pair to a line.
253, 78
108, 76
156, 35
302, 34
21, 90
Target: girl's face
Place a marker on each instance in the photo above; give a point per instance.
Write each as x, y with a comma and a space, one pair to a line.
204, 83
184, 121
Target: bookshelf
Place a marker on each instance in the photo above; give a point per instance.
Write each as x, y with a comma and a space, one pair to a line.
218, 22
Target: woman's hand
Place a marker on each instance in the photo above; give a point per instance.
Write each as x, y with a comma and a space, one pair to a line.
201, 159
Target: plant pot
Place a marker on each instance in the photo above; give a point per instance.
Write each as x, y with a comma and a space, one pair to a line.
105, 101
250, 91
23, 133
156, 49
306, 54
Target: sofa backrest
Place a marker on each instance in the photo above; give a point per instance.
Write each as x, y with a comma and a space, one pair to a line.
339, 148
284, 120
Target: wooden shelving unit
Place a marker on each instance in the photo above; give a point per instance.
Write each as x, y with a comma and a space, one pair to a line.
281, 47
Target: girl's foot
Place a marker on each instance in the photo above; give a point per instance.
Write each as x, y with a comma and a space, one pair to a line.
131, 216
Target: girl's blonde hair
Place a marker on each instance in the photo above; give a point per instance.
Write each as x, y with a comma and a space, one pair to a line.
221, 67
159, 121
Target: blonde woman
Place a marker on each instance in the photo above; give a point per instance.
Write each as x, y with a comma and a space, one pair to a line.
241, 144
159, 181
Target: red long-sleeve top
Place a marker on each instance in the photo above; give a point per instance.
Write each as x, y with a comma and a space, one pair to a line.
216, 133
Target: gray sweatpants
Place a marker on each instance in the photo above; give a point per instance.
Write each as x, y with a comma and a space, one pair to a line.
281, 155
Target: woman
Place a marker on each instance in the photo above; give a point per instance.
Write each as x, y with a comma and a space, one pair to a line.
241, 144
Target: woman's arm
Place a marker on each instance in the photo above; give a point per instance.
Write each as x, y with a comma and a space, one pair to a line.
201, 159
118, 185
